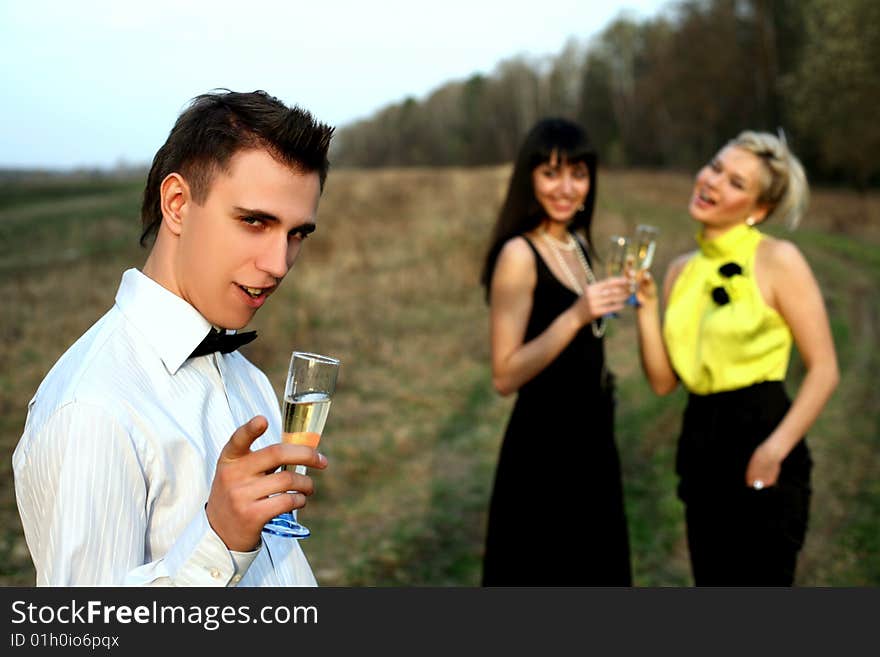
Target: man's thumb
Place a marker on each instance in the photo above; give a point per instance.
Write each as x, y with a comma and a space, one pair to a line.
240, 443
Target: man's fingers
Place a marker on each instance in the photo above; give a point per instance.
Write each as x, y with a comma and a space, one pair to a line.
278, 504
240, 443
272, 457
267, 459
283, 481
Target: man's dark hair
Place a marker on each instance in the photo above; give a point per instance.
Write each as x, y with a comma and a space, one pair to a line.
217, 125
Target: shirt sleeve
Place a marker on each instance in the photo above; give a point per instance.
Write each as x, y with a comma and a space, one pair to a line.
82, 496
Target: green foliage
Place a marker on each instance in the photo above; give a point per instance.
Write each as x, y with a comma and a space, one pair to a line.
835, 89
664, 92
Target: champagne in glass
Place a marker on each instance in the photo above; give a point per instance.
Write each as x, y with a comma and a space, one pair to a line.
617, 255
311, 382
644, 244
302, 420
616, 263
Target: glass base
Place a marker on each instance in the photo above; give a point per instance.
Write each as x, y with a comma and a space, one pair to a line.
286, 525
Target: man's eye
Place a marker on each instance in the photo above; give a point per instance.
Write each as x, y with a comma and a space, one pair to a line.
252, 221
298, 234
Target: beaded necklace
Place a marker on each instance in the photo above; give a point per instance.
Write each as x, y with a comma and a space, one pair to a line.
567, 245
556, 247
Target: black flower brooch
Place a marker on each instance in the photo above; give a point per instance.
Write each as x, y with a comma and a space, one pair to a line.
728, 270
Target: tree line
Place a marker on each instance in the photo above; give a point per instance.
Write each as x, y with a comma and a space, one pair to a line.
663, 92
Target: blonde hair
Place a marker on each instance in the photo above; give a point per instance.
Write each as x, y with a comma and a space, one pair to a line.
785, 188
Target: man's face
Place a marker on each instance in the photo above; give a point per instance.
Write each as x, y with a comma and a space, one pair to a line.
236, 247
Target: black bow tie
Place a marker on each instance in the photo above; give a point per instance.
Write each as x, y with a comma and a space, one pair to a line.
222, 342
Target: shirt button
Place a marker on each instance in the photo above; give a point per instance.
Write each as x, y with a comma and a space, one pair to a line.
236, 579
215, 573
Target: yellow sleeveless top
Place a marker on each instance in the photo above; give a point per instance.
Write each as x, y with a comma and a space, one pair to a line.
719, 332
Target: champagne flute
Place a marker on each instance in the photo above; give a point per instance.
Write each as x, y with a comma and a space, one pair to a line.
616, 263
311, 382
643, 245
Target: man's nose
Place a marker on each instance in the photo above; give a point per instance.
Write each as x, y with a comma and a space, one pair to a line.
274, 259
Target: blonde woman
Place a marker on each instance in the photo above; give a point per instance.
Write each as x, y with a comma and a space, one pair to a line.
733, 308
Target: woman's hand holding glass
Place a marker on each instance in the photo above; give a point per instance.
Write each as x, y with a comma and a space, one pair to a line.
646, 290
640, 255
603, 298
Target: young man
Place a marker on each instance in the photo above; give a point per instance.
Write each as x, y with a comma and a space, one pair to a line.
150, 449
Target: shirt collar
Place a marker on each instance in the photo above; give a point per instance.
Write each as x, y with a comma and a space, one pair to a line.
170, 325
729, 243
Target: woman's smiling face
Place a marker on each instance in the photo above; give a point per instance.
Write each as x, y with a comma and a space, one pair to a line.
727, 189
561, 187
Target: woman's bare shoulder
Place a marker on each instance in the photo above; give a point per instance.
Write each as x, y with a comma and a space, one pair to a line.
516, 251
777, 251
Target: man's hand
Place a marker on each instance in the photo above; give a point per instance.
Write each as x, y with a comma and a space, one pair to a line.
240, 503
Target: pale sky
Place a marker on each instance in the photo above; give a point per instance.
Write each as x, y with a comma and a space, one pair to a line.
98, 82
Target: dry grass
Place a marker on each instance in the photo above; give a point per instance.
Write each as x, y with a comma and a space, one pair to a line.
389, 285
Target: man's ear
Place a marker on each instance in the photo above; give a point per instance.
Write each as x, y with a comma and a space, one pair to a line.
174, 199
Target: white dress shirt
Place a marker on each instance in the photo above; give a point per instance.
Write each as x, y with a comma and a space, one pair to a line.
119, 449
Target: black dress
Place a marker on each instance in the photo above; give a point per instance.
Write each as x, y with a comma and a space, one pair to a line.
556, 516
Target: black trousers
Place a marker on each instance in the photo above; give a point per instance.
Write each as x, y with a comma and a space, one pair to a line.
738, 536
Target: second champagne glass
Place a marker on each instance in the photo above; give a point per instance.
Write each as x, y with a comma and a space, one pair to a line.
311, 382
643, 245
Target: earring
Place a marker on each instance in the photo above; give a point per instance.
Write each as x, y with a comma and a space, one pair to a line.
581, 207
750, 221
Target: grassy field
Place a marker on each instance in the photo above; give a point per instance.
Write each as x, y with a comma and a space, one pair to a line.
389, 285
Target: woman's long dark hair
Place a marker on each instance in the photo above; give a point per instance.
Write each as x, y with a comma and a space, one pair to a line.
521, 211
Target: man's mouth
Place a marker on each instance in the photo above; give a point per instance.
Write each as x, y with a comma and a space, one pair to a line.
255, 292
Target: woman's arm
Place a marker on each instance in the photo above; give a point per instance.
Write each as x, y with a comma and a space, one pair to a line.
655, 359
790, 287
513, 283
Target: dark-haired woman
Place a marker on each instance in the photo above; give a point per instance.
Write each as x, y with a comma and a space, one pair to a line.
547, 308
733, 307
